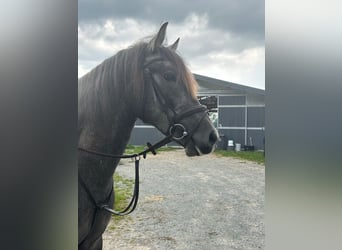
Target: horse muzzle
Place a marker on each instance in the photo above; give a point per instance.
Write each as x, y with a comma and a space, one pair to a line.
203, 140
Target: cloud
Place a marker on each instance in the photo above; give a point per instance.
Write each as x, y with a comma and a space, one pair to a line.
232, 51
100, 40
241, 17
245, 67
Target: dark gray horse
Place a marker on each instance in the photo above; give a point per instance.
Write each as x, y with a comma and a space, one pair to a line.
147, 81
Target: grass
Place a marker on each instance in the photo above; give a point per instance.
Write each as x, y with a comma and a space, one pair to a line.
123, 192
130, 149
255, 156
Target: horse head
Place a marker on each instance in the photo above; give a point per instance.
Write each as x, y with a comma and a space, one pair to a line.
170, 102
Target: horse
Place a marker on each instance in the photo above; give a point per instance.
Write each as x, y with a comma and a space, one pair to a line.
147, 81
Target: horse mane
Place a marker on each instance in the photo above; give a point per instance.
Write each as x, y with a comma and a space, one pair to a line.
123, 73
117, 77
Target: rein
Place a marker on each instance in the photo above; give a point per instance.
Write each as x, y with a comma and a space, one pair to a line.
134, 200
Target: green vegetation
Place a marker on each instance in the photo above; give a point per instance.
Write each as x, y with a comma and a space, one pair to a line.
255, 156
130, 149
123, 192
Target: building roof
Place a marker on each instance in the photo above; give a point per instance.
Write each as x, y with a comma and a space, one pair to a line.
208, 85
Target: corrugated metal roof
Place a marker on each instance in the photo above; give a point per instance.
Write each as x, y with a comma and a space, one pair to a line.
208, 85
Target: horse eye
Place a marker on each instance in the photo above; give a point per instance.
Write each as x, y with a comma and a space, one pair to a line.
170, 76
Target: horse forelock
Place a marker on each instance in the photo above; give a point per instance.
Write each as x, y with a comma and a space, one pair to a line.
191, 83
184, 75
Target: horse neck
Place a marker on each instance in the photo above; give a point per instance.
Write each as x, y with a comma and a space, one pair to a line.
106, 121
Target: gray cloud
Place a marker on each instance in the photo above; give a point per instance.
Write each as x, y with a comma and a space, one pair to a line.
219, 38
245, 18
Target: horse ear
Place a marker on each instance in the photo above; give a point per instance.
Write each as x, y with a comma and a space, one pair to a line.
158, 39
174, 46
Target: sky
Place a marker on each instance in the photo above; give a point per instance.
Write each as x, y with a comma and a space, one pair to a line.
222, 39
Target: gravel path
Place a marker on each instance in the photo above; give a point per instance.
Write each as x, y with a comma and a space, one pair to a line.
206, 202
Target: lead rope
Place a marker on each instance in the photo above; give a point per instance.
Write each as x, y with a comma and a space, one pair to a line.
134, 201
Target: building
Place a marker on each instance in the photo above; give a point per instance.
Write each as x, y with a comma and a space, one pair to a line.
237, 111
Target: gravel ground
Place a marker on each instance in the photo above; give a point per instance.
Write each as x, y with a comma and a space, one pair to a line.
206, 202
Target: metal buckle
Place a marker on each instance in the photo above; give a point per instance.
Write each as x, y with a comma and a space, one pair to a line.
136, 157
172, 131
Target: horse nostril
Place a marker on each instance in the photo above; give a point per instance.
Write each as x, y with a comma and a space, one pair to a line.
213, 138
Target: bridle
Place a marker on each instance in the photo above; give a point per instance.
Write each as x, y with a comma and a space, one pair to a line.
176, 132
